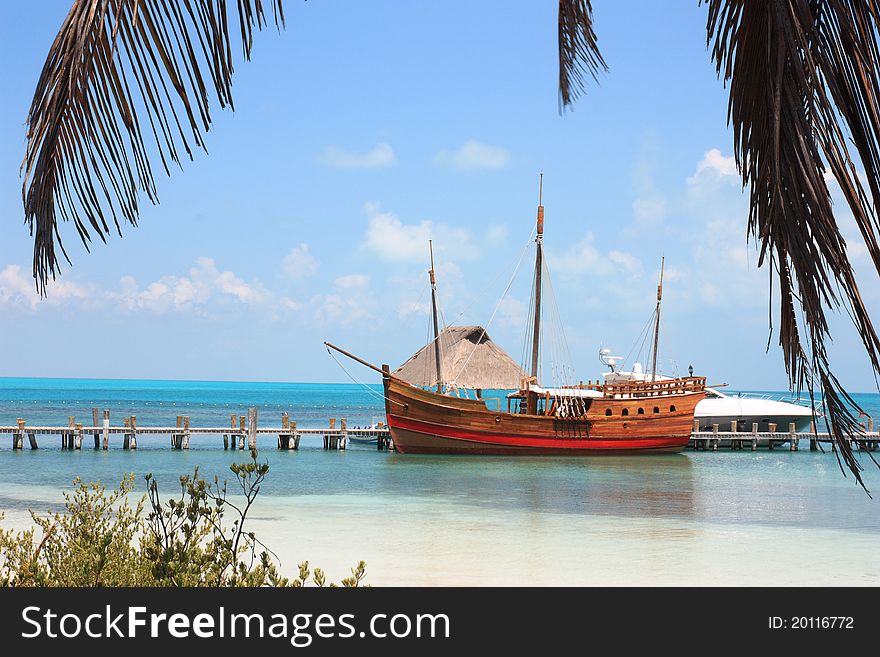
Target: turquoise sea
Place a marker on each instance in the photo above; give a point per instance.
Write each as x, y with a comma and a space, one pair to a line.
695, 518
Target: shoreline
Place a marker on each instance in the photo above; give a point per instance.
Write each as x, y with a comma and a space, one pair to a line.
722, 556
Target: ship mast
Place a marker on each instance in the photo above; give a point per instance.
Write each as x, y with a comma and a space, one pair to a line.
539, 263
657, 322
434, 316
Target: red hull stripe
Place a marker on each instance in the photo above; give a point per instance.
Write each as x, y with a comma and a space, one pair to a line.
452, 433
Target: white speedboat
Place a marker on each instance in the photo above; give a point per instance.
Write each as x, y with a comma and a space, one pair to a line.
747, 409
723, 409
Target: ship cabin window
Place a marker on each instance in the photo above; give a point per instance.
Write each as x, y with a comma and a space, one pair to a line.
607, 411
641, 411
672, 409
625, 411
656, 409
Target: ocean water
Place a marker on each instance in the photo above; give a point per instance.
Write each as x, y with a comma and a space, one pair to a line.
695, 518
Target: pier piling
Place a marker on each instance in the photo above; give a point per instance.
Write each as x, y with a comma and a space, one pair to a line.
227, 436
96, 435
792, 437
78, 436
18, 436
252, 428
105, 439
754, 436
177, 437
771, 427
284, 437
241, 431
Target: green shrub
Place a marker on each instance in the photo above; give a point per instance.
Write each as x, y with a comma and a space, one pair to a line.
101, 540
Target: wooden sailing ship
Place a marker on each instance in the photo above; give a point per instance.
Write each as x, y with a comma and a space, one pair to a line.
623, 417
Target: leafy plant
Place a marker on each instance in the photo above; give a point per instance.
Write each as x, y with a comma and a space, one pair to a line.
102, 540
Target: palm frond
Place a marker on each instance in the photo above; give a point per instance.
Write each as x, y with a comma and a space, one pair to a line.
579, 54
804, 80
126, 85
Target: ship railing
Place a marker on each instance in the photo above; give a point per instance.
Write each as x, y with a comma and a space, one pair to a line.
639, 389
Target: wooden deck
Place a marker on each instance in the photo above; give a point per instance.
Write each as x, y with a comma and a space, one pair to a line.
242, 431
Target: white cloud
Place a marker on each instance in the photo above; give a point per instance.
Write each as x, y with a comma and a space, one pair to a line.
352, 281
584, 258
649, 210
475, 155
512, 312
722, 243
713, 167
674, 274
299, 263
17, 289
204, 284
626, 260
496, 234
290, 304
650, 205
351, 300
378, 157
395, 241
407, 308
710, 293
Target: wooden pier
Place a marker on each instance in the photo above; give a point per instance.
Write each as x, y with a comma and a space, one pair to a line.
242, 431
773, 439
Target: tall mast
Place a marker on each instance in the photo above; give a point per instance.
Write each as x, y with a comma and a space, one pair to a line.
434, 316
539, 260
657, 322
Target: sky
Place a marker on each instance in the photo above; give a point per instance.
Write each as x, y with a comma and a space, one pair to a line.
366, 128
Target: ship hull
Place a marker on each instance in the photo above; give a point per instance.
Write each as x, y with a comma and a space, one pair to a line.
418, 438
423, 422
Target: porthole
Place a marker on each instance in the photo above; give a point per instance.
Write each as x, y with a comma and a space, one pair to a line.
641, 411
672, 409
656, 409
625, 411
607, 411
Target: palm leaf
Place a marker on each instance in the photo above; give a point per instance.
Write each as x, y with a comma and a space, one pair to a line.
579, 54
804, 80
125, 87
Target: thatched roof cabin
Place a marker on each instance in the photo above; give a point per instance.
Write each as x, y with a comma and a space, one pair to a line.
468, 358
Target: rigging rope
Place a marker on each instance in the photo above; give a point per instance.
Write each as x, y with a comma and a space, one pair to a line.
495, 311
365, 386
641, 337
473, 302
